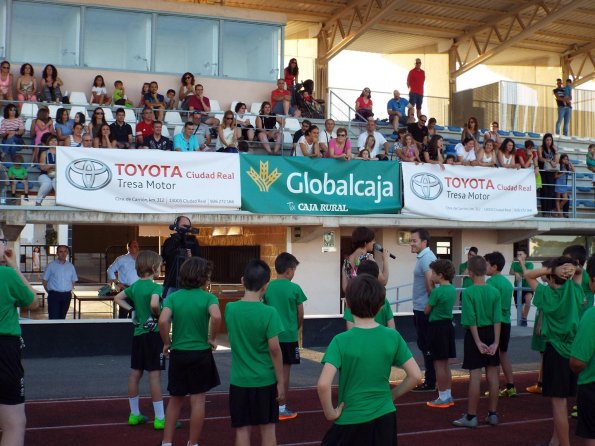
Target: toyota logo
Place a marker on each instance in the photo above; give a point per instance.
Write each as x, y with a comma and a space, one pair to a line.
88, 174
426, 186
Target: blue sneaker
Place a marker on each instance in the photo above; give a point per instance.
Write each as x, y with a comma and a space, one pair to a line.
440, 403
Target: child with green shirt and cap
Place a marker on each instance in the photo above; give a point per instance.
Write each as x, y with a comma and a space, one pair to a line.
288, 299
441, 332
481, 315
365, 413
559, 303
17, 173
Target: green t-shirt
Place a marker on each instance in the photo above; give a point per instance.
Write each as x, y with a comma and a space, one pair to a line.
481, 307
588, 295
467, 281
20, 173
140, 293
442, 299
583, 347
250, 325
190, 318
538, 341
505, 288
285, 296
364, 358
13, 293
382, 317
515, 267
118, 94
560, 309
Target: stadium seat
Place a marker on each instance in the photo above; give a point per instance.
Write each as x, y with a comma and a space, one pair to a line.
78, 98
232, 107
133, 125
178, 129
533, 135
173, 118
503, 133
452, 140
575, 162
292, 124
165, 131
28, 123
215, 105
580, 175
130, 116
453, 128
53, 108
519, 134
439, 127
108, 115
255, 107
584, 188
76, 109
29, 110
483, 131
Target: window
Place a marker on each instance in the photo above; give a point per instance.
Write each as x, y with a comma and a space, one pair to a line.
2, 28
185, 44
117, 39
45, 33
251, 51
548, 246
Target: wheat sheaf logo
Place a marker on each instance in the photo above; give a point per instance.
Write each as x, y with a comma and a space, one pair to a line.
263, 179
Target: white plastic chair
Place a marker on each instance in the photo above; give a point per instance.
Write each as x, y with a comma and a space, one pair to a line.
255, 107
76, 109
232, 107
29, 110
130, 116
178, 129
215, 105
164, 131
53, 108
173, 118
78, 98
292, 124
108, 115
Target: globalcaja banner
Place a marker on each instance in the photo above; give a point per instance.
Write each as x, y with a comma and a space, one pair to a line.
469, 193
296, 185
147, 181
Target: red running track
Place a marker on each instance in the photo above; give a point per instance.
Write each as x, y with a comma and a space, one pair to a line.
525, 420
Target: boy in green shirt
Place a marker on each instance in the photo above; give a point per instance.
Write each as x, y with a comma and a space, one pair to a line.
147, 347
559, 304
256, 383
17, 173
481, 315
364, 356
464, 270
288, 299
582, 363
578, 253
119, 97
192, 370
495, 264
441, 332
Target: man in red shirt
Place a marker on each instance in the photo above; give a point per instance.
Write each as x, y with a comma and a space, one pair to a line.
415, 82
281, 100
199, 102
144, 128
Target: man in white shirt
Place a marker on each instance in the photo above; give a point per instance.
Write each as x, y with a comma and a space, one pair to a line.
326, 135
466, 152
380, 141
123, 272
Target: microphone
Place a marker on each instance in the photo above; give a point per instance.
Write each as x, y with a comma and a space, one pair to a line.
378, 247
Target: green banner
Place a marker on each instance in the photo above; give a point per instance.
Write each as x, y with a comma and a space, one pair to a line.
296, 185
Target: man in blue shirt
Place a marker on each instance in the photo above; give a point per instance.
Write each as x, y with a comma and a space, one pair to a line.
155, 100
186, 141
422, 287
397, 111
125, 268
58, 281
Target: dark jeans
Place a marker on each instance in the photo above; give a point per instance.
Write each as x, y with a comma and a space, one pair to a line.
58, 304
421, 322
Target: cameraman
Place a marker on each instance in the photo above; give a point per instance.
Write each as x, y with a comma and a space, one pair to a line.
177, 248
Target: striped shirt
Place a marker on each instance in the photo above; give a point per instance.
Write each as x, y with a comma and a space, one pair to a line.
11, 125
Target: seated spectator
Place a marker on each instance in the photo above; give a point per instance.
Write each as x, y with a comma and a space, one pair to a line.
186, 141
186, 90
411, 116
201, 131
121, 131
363, 105
526, 158
379, 141
364, 154
17, 173
266, 127
155, 101
313, 107
471, 129
26, 84
157, 141
105, 139
6, 81
80, 118
506, 155
11, 132
591, 161
450, 159
76, 139
308, 144
99, 92
299, 133
50, 85
432, 153
397, 111
409, 153
432, 127
466, 152
40, 126
87, 140
146, 89
419, 131
97, 120
170, 101
145, 127
243, 122
228, 134
486, 156
340, 147
281, 101
400, 141
199, 102
119, 97
368, 144
63, 125
326, 135
493, 134
47, 165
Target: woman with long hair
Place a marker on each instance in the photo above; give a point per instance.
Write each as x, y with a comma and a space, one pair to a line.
486, 157
362, 248
105, 139
97, 120
266, 123
228, 132
291, 73
506, 153
27, 84
6, 81
40, 126
99, 92
50, 84
432, 153
548, 165
364, 104
471, 130
562, 188
243, 122
186, 89
308, 143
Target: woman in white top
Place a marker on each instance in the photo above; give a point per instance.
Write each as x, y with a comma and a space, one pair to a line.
493, 134
243, 122
99, 92
308, 144
228, 133
506, 155
486, 156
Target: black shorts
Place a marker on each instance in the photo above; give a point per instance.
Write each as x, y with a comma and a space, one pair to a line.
585, 401
504, 337
12, 382
441, 339
381, 431
253, 406
191, 372
523, 298
291, 352
473, 359
146, 351
558, 380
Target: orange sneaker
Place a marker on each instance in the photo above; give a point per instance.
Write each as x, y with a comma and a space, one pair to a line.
535, 389
441, 404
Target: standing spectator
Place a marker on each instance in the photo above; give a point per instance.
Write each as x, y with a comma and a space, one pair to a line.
186, 141
564, 110
397, 111
50, 85
11, 131
26, 84
201, 131
58, 281
99, 92
199, 102
155, 100
364, 105
548, 165
186, 90
63, 125
6, 81
121, 131
106, 139
281, 101
122, 273
291, 73
422, 287
47, 165
145, 127
17, 173
379, 142
415, 83
157, 141
326, 135
308, 144
419, 131
340, 147
243, 122
266, 127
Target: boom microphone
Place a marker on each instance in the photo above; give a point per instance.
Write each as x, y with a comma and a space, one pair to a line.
378, 247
